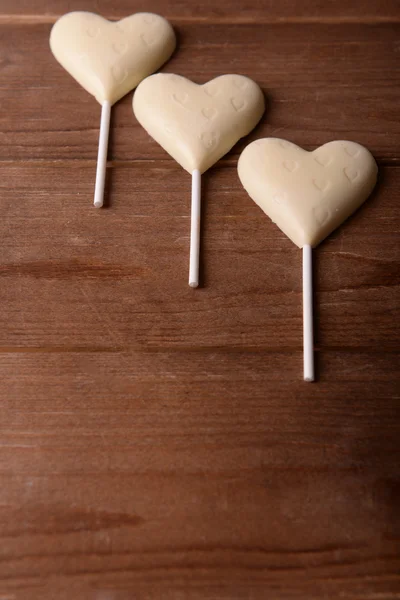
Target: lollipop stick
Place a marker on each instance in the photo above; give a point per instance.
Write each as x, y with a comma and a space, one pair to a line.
195, 229
102, 155
308, 342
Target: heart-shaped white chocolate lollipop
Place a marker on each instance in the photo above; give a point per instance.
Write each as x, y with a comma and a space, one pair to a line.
197, 125
307, 194
109, 58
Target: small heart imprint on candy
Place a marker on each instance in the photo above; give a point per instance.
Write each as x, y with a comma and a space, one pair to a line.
321, 215
352, 151
210, 89
125, 28
351, 174
321, 185
148, 39
209, 113
240, 83
324, 161
290, 165
120, 48
209, 139
180, 98
238, 103
93, 32
119, 74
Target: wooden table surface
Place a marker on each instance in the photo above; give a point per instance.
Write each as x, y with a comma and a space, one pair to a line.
158, 442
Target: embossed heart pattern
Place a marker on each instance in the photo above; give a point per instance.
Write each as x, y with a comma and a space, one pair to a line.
198, 124
307, 194
107, 58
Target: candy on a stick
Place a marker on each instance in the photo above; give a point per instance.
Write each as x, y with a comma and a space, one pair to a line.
308, 195
197, 125
109, 59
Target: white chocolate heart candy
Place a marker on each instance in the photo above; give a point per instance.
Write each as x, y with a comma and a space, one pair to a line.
109, 58
307, 194
198, 124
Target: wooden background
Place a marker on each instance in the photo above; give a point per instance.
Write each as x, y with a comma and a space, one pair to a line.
158, 442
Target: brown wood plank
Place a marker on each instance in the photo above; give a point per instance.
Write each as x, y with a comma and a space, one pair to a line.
118, 277
157, 442
140, 472
157, 439
210, 11
322, 82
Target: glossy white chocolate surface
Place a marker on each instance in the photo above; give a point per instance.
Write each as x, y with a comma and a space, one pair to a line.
307, 194
198, 124
109, 58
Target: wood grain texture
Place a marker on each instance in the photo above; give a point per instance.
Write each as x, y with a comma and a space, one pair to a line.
158, 441
321, 82
129, 289
210, 11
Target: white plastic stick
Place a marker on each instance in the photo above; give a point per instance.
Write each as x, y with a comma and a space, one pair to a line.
308, 335
102, 155
195, 229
